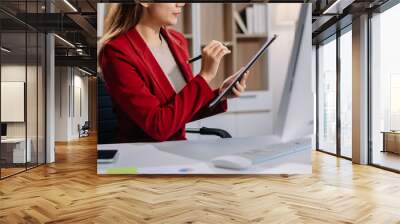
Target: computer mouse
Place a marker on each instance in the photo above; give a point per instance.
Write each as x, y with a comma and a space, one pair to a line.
231, 162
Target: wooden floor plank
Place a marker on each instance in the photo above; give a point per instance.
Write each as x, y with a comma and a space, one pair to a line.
70, 191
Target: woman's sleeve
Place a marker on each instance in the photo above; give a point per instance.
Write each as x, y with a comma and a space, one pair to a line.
206, 112
129, 92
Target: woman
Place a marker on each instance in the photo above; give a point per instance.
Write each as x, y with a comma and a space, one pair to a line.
145, 70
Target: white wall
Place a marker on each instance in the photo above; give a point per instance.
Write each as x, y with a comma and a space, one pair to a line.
15, 72
33, 126
69, 82
61, 103
81, 84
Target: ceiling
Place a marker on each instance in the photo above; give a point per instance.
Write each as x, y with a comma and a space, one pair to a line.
76, 25
332, 15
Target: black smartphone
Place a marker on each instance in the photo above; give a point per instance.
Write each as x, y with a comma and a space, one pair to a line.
107, 155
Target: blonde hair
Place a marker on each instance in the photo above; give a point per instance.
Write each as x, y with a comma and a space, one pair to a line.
119, 19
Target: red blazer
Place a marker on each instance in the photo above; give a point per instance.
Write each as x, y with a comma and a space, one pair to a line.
147, 107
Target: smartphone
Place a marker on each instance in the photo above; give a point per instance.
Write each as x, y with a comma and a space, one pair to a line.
107, 155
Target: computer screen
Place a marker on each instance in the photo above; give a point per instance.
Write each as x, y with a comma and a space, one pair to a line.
296, 112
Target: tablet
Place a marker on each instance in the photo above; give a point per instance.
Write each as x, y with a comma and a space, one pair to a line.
242, 71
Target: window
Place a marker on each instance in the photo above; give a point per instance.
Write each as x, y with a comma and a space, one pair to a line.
327, 96
22, 77
346, 93
385, 89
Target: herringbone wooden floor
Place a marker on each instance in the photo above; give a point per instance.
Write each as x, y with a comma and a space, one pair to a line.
70, 191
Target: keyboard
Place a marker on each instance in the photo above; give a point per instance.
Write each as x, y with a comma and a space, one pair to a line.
261, 155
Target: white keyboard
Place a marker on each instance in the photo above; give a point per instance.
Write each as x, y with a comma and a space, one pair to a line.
274, 151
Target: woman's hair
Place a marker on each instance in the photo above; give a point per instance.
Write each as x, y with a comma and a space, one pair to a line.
119, 19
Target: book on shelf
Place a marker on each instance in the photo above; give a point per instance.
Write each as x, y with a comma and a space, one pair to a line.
260, 18
252, 19
240, 23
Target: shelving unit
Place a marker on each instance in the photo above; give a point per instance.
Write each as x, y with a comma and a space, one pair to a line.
188, 24
201, 23
250, 114
185, 23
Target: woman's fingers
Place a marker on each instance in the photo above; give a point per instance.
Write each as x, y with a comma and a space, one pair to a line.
229, 79
212, 43
235, 91
239, 87
222, 52
214, 46
232, 76
244, 78
210, 46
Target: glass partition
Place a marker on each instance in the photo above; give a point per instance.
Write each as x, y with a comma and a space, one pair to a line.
346, 93
385, 89
22, 88
327, 96
14, 145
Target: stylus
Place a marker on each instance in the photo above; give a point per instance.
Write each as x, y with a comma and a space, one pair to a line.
191, 60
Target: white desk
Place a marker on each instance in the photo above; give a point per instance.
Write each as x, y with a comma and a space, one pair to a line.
18, 149
193, 156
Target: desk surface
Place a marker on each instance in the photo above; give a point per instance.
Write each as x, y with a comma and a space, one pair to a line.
193, 156
13, 140
390, 132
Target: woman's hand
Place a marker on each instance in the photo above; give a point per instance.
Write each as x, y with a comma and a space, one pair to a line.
239, 87
211, 56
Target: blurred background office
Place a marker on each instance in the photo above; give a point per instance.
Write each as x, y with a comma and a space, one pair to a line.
45, 78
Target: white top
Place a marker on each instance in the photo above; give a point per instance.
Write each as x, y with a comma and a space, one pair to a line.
168, 64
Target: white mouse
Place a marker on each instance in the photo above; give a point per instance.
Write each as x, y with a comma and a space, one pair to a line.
231, 162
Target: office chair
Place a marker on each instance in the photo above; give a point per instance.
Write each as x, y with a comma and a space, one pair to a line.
107, 120
209, 131
84, 129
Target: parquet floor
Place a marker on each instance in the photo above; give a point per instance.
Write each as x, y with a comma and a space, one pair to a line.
70, 191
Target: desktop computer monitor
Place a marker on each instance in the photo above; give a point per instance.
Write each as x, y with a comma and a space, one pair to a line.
296, 111
3, 130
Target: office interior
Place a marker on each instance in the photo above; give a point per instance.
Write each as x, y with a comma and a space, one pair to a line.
48, 69
47, 80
